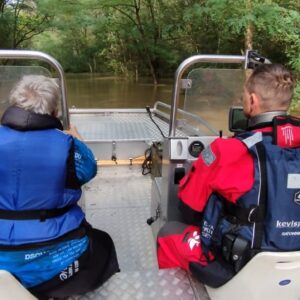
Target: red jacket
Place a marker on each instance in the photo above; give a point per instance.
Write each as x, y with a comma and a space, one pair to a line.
225, 167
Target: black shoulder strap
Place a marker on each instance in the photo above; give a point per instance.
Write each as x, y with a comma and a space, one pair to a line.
72, 181
259, 226
255, 214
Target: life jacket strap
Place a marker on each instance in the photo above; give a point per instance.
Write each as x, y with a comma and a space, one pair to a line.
243, 215
39, 214
263, 196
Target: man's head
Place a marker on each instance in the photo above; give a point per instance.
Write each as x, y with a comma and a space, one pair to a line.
269, 88
36, 93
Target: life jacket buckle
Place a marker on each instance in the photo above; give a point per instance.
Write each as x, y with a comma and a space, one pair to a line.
235, 250
43, 215
252, 215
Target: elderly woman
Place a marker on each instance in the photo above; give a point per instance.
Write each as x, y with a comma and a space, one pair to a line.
45, 241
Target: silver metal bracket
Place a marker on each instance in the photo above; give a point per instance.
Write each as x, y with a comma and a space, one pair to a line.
114, 152
185, 84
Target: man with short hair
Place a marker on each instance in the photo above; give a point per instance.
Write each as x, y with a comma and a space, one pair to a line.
244, 190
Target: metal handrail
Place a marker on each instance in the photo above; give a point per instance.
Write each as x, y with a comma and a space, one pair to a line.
233, 59
161, 113
30, 54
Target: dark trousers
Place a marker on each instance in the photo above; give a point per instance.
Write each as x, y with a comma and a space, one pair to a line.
96, 265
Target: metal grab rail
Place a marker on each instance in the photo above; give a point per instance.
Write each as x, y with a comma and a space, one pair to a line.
30, 54
229, 59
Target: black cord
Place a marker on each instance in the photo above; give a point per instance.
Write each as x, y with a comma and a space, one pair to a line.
150, 115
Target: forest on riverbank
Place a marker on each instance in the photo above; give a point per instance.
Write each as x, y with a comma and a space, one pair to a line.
150, 37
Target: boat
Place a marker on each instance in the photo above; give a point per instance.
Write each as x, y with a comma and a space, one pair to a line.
142, 154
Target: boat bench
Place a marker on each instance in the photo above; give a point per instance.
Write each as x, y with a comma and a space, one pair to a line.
12, 289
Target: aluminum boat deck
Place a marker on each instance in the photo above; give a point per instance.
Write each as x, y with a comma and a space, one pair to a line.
121, 134
117, 201
109, 125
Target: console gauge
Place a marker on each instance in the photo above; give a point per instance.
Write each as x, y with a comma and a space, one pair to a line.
196, 148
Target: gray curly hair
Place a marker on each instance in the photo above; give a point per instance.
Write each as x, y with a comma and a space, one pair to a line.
36, 93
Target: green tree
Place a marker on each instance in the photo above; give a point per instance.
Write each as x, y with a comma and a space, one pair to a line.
20, 21
274, 27
151, 37
142, 19
73, 36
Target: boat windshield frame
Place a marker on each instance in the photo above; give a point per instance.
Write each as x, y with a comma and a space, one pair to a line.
188, 63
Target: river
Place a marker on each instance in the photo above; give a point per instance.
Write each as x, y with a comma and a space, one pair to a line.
96, 91
208, 97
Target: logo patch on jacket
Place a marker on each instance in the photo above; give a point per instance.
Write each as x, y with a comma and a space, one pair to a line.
208, 156
69, 271
194, 240
297, 198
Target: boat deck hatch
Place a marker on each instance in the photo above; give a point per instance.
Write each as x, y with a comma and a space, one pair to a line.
119, 135
119, 127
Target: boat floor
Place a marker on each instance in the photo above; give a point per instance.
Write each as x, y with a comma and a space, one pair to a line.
117, 201
129, 125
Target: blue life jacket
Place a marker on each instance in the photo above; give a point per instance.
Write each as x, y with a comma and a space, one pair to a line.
268, 216
37, 265
37, 176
